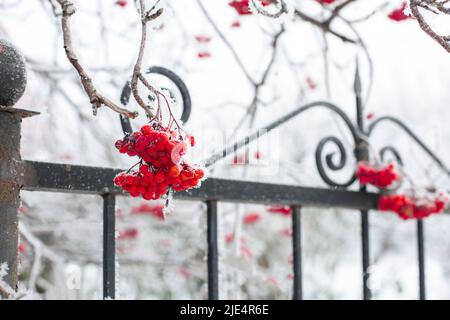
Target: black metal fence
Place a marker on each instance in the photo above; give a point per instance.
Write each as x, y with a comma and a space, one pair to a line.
91, 180
17, 175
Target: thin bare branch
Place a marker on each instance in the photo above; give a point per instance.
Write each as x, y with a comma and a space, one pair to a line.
227, 43
325, 26
414, 6
96, 98
146, 16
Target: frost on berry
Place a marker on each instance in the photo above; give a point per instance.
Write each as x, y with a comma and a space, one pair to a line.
400, 13
162, 167
380, 176
413, 206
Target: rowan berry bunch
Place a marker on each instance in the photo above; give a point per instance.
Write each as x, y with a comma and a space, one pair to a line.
161, 166
377, 175
413, 207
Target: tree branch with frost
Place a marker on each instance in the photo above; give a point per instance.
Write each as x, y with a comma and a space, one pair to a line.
96, 98
368, 15
335, 12
325, 26
146, 17
40, 251
253, 107
436, 7
281, 8
257, 84
225, 41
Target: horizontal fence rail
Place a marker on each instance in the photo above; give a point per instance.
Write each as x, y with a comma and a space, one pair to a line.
51, 177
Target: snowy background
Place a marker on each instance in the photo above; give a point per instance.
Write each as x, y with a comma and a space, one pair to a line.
405, 74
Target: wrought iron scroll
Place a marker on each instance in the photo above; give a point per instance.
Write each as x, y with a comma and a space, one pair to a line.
175, 79
412, 135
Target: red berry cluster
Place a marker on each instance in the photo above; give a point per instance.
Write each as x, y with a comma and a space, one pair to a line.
412, 207
161, 167
378, 176
399, 14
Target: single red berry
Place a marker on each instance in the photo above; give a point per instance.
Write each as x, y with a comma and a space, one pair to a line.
202, 38
236, 24
252, 217
121, 3
203, 55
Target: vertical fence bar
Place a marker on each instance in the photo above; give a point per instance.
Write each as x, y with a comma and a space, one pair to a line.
365, 253
109, 246
421, 256
213, 251
297, 252
362, 154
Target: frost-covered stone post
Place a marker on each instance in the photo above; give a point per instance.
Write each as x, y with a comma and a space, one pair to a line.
12, 86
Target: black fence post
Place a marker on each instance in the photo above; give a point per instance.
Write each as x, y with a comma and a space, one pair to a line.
362, 154
297, 252
213, 250
10, 184
421, 257
109, 246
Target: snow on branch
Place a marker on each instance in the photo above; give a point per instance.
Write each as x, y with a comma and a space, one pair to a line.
146, 17
281, 8
96, 98
437, 7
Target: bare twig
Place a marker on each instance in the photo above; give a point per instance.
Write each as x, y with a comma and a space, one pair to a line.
96, 98
324, 25
40, 251
336, 11
146, 16
227, 43
370, 14
252, 109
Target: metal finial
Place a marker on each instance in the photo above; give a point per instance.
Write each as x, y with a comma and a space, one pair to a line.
13, 75
357, 82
